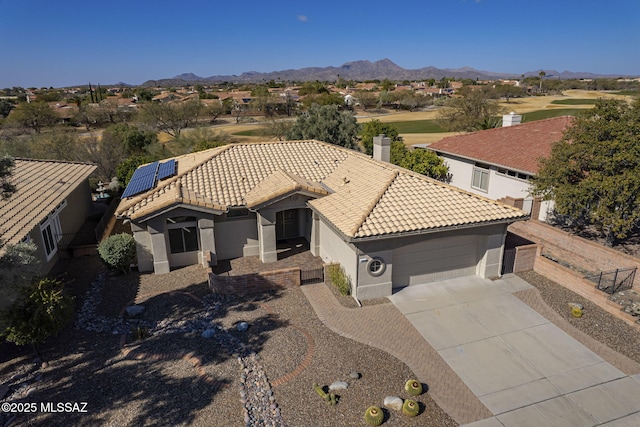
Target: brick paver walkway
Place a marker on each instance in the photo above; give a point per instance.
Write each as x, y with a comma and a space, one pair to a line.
384, 327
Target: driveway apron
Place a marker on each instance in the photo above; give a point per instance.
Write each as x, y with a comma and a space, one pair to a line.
522, 367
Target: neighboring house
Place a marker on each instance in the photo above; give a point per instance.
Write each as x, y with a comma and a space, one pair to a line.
51, 202
498, 163
387, 226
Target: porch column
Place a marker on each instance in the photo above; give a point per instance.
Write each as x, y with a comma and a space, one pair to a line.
314, 243
267, 236
207, 242
156, 228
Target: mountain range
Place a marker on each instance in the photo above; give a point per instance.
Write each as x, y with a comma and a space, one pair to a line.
365, 70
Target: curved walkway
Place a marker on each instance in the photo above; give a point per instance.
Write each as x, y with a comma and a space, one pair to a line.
386, 328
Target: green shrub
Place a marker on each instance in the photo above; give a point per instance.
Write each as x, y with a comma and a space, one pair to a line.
339, 278
118, 251
43, 311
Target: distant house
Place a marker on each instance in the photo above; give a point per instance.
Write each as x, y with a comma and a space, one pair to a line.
498, 163
51, 202
387, 226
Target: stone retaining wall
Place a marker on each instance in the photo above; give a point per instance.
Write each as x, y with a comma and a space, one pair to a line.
254, 283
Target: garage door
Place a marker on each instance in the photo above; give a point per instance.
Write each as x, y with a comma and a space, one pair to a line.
435, 259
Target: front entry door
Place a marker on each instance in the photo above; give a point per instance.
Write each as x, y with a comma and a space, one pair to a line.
287, 224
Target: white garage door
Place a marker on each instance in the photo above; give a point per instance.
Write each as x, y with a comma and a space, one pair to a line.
435, 259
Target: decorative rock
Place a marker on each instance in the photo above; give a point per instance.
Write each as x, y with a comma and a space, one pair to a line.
4, 389
242, 326
354, 375
339, 385
576, 305
135, 310
208, 333
393, 402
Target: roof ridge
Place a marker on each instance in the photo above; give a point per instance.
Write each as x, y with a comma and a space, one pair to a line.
374, 202
24, 159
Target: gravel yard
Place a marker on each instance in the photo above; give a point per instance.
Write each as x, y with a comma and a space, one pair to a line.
181, 378
177, 379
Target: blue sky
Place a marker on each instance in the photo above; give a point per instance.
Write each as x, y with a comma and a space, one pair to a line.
69, 42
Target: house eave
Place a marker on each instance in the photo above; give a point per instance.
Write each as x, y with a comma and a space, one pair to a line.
487, 162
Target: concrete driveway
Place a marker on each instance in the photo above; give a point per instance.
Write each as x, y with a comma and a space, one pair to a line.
526, 370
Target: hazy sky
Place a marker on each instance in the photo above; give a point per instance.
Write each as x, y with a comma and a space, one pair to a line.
69, 42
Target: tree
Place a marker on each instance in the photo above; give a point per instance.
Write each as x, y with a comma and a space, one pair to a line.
367, 99
326, 123
425, 162
5, 107
312, 88
33, 115
541, 74
472, 111
374, 128
323, 99
43, 311
106, 153
6, 168
171, 117
592, 173
57, 144
126, 168
134, 140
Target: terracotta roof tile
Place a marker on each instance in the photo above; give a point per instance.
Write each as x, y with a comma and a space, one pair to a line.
359, 196
516, 147
40, 186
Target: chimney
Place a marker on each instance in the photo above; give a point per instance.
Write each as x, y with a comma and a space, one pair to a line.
511, 119
382, 148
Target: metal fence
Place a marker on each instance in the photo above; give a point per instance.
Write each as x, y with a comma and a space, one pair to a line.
315, 275
508, 261
614, 281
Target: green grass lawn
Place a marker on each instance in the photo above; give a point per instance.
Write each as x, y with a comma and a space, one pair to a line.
547, 114
418, 126
575, 101
251, 132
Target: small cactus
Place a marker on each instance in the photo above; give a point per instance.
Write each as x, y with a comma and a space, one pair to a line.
576, 312
374, 416
413, 387
410, 408
321, 392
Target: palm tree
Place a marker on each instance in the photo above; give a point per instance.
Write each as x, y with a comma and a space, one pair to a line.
541, 74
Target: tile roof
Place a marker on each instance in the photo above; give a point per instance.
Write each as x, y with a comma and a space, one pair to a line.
40, 186
516, 147
359, 196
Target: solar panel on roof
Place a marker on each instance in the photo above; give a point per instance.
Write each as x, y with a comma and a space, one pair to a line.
143, 179
166, 169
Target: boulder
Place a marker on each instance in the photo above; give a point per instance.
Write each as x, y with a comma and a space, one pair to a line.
208, 333
393, 402
134, 310
354, 375
242, 326
338, 385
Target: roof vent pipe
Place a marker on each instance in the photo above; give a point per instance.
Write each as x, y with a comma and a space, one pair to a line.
382, 148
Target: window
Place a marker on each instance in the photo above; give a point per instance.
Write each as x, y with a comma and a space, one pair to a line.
376, 266
183, 234
513, 174
52, 231
480, 178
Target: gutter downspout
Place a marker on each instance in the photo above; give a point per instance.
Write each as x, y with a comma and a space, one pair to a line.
355, 295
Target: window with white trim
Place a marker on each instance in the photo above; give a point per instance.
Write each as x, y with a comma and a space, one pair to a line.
480, 178
52, 231
183, 234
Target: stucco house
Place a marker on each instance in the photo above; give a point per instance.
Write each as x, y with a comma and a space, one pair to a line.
51, 203
387, 226
498, 163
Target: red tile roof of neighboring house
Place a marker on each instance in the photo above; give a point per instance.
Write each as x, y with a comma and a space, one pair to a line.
516, 147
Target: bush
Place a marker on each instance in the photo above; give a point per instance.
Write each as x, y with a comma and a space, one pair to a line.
339, 278
43, 311
118, 251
